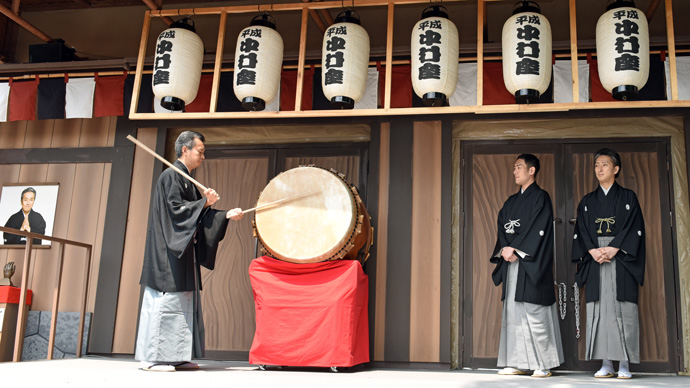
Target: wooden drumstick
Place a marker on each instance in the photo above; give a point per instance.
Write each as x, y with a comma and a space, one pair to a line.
281, 201
150, 151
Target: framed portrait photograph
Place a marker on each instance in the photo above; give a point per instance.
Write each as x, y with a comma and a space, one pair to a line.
30, 207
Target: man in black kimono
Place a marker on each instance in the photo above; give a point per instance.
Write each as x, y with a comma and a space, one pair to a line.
25, 219
609, 249
530, 336
183, 233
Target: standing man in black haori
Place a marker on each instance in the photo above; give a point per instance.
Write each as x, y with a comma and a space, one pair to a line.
183, 233
609, 249
530, 336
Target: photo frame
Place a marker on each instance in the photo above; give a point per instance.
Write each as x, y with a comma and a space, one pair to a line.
41, 211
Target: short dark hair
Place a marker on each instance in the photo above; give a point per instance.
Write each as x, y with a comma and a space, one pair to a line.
28, 190
186, 139
530, 161
613, 155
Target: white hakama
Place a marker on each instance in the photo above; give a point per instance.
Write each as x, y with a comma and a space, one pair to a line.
530, 335
613, 331
168, 330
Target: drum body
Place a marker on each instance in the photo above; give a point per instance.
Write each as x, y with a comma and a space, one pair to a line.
324, 218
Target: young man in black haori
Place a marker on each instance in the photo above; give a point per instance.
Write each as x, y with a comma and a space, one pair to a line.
530, 336
183, 233
609, 249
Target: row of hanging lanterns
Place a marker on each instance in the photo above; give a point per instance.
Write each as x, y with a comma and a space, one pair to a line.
622, 41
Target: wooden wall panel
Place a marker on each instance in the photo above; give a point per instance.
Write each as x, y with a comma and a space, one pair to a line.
66, 133
133, 255
12, 134
227, 299
639, 173
39, 134
425, 280
43, 273
381, 246
97, 133
83, 227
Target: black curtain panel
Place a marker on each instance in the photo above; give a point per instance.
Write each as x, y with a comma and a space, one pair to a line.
51, 98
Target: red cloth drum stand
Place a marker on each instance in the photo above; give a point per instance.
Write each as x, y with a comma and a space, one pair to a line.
309, 314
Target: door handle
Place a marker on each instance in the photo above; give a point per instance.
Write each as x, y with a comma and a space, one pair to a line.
572, 220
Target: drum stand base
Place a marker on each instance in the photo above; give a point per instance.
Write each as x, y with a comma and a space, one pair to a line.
334, 369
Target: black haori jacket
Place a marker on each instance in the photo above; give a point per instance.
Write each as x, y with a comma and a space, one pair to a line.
619, 215
529, 216
180, 229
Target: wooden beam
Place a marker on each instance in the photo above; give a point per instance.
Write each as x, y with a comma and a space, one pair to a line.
219, 61
140, 63
481, 10
652, 9
326, 15
82, 313
301, 60
389, 58
21, 315
671, 50
493, 109
155, 7
56, 300
287, 7
573, 52
24, 24
316, 18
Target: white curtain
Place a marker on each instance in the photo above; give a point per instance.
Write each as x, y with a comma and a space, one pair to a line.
683, 71
465, 93
79, 98
563, 81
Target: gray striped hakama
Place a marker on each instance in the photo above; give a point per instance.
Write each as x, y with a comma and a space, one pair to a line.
613, 330
530, 335
168, 330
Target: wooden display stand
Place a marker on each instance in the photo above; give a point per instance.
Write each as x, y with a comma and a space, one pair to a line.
9, 307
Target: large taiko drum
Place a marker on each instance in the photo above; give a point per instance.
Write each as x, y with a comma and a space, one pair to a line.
323, 218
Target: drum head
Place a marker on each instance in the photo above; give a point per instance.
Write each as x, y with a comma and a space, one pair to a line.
312, 227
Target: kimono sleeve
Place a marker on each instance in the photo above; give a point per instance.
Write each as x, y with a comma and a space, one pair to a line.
211, 231
537, 228
537, 242
582, 239
631, 240
498, 274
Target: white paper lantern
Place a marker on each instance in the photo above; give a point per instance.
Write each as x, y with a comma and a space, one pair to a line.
434, 56
623, 49
526, 46
177, 65
345, 61
258, 61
